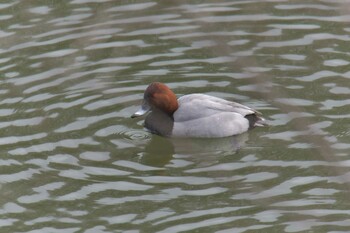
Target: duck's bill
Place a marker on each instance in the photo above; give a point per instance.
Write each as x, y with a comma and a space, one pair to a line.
142, 111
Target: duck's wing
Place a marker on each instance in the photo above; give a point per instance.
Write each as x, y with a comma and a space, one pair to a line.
253, 116
195, 106
231, 106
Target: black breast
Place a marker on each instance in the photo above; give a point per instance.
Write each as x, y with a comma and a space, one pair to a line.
160, 123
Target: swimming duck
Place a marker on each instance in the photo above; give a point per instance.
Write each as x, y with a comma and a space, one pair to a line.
194, 115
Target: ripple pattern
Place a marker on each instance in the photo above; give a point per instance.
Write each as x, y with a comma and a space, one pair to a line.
73, 72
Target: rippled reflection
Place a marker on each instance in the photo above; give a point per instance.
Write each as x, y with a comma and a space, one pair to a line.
73, 72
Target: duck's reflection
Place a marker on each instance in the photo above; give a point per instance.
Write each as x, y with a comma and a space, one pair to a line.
160, 150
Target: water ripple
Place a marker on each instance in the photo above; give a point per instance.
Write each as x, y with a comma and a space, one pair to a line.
102, 187
74, 73
132, 7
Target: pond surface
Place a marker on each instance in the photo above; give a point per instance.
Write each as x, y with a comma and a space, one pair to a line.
73, 72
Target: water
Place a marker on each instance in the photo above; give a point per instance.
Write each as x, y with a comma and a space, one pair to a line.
73, 72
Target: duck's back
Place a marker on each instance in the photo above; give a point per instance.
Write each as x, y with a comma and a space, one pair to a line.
195, 106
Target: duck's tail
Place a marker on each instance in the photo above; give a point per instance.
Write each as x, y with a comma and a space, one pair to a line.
255, 120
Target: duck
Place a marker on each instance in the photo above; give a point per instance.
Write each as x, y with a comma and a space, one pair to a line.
194, 115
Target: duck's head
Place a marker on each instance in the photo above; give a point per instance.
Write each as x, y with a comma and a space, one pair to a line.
158, 97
